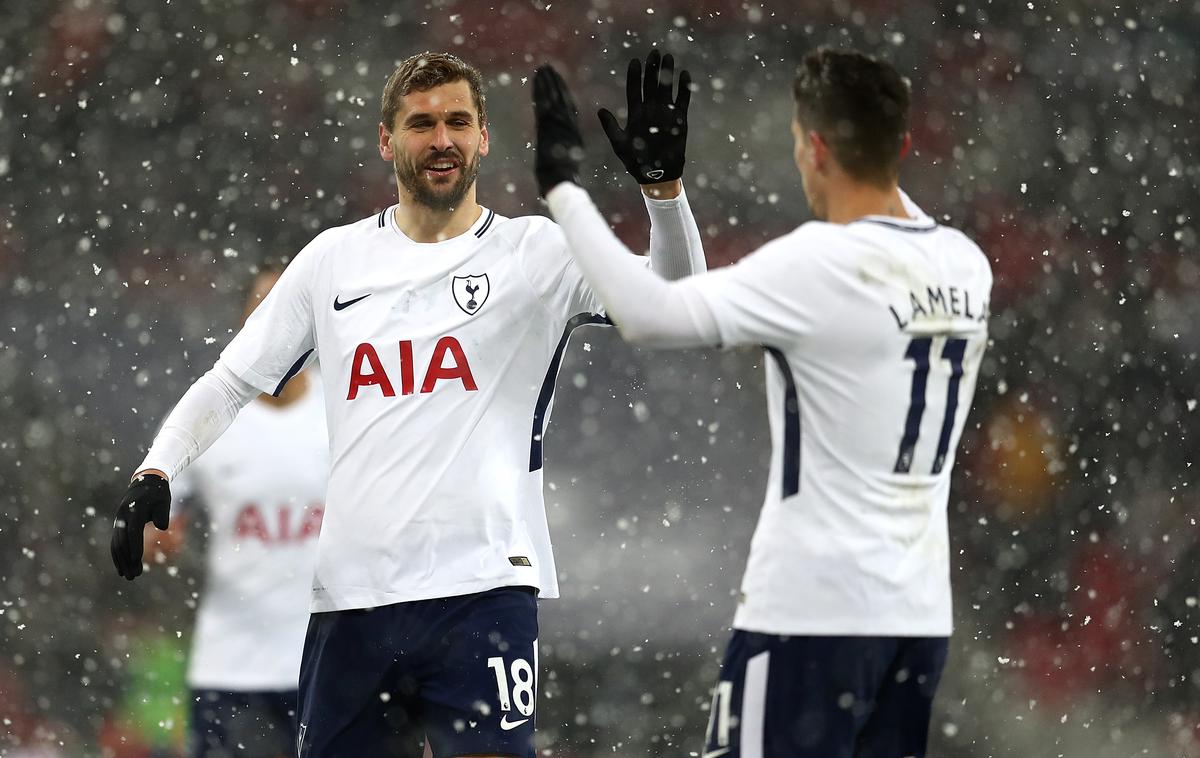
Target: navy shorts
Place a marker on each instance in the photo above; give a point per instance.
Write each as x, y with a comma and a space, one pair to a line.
459, 671
824, 697
242, 724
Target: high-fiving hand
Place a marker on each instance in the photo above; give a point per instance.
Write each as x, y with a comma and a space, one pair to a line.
148, 499
559, 143
652, 143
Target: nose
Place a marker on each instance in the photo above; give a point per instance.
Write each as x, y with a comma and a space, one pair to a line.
441, 138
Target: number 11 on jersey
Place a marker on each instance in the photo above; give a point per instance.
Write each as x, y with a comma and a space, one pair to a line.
918, 352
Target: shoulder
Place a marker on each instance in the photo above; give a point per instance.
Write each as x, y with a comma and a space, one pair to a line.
527, 228
809, 244
335, 238
354, 231
960, 240
531, 235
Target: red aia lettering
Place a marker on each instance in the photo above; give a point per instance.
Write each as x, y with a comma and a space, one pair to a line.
366, 369
311, 525
460, 370
365, 352
251, 523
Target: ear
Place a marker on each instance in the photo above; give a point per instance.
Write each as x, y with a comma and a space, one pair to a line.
820, 151
906, 144
483, 141
385, 144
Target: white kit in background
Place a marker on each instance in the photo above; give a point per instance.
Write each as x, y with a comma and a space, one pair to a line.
260, 489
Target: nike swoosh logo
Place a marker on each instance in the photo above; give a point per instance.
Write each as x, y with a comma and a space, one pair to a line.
505, 724
339, 306
715, 753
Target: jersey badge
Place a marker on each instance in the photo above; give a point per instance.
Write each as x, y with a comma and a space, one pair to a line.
471, 292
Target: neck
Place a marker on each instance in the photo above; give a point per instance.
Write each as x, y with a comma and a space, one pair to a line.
420, 223
292, 391
853, 200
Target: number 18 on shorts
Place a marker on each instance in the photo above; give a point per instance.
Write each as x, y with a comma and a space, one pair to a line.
516, 689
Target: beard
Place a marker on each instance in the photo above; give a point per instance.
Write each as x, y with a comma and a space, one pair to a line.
436, 198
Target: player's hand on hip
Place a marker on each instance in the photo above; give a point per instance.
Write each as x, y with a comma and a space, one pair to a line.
147, 500
559, 142
652, 143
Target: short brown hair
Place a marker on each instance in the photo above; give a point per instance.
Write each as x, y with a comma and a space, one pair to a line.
425, 71
859, 106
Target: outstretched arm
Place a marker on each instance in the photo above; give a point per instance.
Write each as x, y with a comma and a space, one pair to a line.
203, 413
647, 309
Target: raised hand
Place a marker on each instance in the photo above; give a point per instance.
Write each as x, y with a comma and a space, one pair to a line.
652, 143
559, 143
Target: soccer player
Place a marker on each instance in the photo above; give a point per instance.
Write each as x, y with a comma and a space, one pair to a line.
440, 326
261, 490
873, 319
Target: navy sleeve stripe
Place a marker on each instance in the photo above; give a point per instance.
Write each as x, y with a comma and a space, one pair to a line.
486, 224
547, 392
791, 425
295, 369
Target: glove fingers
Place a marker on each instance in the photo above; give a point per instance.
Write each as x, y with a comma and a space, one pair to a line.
539, 92
612, 127
128, 566
666, 79
136, 546
633, 85
162, 516
543, 90
556, 88
565, 99
684, 98
557, 94
650, 78
117, 547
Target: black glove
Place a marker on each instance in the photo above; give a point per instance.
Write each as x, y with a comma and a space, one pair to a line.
651, 145
147, 499
559, 143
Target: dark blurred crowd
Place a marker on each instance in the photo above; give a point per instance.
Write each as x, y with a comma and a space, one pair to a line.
154, 153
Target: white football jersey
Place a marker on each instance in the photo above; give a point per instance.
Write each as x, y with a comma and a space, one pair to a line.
261, 491
874, 332
439, 361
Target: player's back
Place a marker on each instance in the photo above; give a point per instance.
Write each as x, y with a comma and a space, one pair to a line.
874, 332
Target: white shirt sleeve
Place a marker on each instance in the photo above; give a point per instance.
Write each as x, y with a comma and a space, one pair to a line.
676, 251
775, 296
202, 414
646, 308
278, 340
772, 297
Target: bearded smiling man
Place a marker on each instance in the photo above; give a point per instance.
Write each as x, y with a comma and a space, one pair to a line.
440, 326
430, 166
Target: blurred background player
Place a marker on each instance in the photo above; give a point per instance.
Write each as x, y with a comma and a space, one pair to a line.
260, 491
875, 320
441, 327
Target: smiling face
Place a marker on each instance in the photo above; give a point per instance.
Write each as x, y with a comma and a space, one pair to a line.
435, 144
